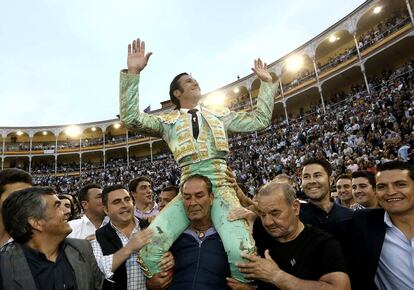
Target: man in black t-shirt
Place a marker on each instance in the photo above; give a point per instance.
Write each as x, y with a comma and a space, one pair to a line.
297, 256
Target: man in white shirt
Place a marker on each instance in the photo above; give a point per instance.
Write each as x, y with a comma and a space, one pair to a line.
90, 198
118, 242
383, 239
145, 206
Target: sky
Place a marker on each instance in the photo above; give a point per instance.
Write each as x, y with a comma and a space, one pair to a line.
60, 60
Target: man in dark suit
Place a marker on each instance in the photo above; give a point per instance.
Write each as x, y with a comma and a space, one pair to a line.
383, 239
42, 256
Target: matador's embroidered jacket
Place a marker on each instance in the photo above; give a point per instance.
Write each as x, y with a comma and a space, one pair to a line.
175, 127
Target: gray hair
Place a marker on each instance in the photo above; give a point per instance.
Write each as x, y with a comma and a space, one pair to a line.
22, 205
288, 191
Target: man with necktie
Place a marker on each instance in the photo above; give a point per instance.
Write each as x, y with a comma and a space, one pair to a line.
197, 137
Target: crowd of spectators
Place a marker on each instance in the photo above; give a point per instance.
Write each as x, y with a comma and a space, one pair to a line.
383, 29
357, 133
17, 147
369, 38
163, 171
333, 61
365, 40
70, 144
92, 142
42, 146
301, 77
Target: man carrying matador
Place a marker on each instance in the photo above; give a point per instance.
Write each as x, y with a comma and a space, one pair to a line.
197, 137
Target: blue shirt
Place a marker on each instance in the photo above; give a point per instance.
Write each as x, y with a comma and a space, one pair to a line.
396, 263
200, 262
191, 232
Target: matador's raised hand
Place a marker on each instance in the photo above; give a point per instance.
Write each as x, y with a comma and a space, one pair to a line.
137, 59
260, 69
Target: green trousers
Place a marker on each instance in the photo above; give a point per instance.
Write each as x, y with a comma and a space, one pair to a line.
172, 221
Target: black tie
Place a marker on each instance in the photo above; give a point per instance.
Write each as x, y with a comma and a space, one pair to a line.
194, 122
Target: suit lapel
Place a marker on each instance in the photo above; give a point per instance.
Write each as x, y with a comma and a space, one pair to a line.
378, 229
77, 261
20, 269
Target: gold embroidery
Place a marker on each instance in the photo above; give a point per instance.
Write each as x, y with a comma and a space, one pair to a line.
218, 173
143, 267
202, 145
183, 124
183, 137
218, 133
219, 162
214, 123
203, 133
222, 146
195, 158
185, 171
180, 127
203, 155
229, 195
169, 117
184, 150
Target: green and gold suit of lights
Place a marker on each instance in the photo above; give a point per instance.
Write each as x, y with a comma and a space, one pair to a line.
205, 156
